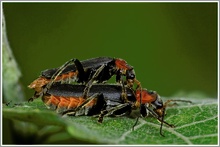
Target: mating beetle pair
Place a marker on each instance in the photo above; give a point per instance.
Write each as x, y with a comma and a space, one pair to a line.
97, 99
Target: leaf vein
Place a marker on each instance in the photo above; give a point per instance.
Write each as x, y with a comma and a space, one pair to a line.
203, 136
128, 132
197, 122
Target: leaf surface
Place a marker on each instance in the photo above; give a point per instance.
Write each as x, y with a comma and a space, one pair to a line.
196, 123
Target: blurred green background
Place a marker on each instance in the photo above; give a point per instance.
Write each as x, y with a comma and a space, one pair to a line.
172, 46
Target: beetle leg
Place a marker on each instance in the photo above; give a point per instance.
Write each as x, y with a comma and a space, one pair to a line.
80, 69
138, 84
58, 72
159, 119
135, 123
111, 111
124, 92
36, 95
118, 76
95, 101
90, 82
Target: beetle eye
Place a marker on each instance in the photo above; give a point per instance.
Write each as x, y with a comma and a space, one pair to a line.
158, 103
130, 74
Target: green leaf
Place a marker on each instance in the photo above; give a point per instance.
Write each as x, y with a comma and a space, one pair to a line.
10, 71
196, 123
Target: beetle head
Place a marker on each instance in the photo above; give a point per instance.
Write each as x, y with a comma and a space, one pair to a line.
150, 98
130, 76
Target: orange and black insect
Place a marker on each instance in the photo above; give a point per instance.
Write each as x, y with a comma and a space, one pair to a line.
94, 70
105, 100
